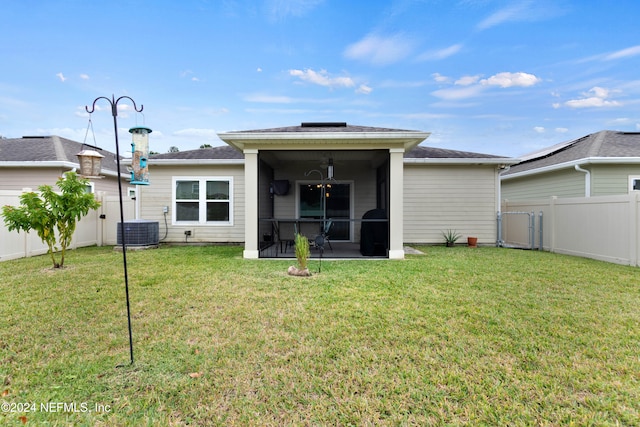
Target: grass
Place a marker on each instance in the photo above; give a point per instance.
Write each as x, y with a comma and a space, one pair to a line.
458, 336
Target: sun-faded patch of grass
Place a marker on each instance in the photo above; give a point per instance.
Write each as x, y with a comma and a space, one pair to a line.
457, 336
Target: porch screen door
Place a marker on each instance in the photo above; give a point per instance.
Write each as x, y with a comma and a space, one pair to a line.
339, 206
335, 205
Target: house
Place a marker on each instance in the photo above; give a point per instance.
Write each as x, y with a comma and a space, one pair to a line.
267, 184
31, 161
599, 164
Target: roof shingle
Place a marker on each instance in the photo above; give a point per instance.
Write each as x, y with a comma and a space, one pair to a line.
50, 149
605, 143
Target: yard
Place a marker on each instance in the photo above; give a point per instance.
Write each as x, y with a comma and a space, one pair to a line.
457, 336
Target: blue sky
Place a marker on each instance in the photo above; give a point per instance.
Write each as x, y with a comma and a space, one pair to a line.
502, 77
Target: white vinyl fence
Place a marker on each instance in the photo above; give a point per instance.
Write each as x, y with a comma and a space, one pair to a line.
606, 228
91, 230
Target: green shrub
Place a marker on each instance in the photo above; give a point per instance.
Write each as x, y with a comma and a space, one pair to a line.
302, 251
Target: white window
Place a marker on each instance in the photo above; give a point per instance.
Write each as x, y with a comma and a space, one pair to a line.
634, 183
203, 200
90, 188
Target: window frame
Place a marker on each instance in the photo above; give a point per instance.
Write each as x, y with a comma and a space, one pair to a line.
202, 200
632, 179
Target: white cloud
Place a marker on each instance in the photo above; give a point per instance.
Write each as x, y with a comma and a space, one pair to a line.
208, 134
511, 79
190, 75
458, 93
562, 130
515, 12
523, 10
467, 80
259, 70
364, 89
440, 78
624, 53
434, 55
280, 9
322, 78
539, 129
84, 76
595, 97
61, 77
269, 99
472, 86
380, 50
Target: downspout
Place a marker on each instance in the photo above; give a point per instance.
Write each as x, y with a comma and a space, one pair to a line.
587, 180
499, 215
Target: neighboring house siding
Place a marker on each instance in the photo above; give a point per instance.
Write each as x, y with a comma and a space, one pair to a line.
564, 183
159, 194
20, 178
612, 179
33, 177
437, 198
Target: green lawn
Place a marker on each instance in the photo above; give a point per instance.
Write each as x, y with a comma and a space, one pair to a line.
457, 336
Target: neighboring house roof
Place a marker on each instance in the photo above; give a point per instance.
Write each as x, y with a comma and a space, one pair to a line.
601, 147
49, 151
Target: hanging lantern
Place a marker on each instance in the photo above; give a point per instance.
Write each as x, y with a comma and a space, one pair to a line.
90, 163
330, 169
140, 151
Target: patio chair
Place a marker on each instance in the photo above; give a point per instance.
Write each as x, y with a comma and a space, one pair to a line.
284, 240
325, 228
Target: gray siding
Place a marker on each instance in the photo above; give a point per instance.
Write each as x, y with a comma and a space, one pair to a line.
612, 179
158, 194
20, 178
437, 198
564, 183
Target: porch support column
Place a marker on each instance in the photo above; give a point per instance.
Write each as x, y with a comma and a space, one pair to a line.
251, 250
396, 203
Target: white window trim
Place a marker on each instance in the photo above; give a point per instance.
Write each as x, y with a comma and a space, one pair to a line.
92, 187
631, 179
202, 194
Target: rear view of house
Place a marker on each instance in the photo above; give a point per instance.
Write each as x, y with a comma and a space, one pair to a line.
268, 184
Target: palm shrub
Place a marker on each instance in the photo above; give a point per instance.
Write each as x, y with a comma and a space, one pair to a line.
302, 251
450, 236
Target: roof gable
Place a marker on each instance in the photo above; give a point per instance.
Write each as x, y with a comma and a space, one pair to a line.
318, 135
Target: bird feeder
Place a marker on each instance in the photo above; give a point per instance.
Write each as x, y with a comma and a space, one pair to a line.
90, 163
140, 151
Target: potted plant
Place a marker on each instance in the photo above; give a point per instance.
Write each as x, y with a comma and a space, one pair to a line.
302, 255
450, 237
472, 241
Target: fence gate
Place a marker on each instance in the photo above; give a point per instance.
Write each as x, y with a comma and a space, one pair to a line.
518, 230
